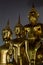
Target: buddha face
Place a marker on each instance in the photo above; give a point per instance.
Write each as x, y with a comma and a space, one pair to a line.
17, 30
37, 30
6, 34
33, 19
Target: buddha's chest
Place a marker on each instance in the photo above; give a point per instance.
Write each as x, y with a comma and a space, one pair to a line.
34, 30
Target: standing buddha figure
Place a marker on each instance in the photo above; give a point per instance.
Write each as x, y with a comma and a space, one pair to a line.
33, 33
7, 36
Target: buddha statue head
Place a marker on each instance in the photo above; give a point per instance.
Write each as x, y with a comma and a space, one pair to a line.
6, 32
33, 15
18, 30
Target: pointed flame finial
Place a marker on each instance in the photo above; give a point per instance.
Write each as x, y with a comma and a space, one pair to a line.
8, 23
33, 6
19, 20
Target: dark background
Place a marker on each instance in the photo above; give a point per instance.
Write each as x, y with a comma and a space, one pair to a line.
10, 9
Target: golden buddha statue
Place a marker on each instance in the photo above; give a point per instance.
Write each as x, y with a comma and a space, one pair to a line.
7, 36
33, 32
26, 48
19, 43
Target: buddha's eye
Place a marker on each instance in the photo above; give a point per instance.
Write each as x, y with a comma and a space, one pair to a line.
39, 29
17, 30
3, 33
